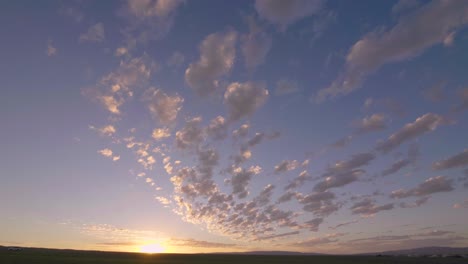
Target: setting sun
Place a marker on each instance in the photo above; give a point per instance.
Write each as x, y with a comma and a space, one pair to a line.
151, 248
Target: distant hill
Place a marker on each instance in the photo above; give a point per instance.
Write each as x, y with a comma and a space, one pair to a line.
425, 251
275, 253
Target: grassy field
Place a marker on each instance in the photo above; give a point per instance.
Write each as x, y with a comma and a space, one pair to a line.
40, 256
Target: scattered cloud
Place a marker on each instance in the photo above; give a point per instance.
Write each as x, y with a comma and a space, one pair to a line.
243, 99
95, 33
428, 187
106, 152
427, 26
371, 123
286, 13
368, 207
420, 126
163, 107
160, 133
458, 160
191, 135
217, 56
286, 165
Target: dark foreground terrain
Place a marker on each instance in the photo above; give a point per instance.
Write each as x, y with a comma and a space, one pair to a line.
49, 256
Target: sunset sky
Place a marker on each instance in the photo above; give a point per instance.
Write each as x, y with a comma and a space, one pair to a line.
220, 126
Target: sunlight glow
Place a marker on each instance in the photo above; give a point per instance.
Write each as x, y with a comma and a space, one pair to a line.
151, 248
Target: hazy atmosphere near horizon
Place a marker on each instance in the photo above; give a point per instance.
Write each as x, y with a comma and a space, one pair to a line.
223, 126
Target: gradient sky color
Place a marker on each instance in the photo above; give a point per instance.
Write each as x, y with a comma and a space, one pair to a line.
207, 126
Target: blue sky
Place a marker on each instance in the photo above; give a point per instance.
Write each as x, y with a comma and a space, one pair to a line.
203, 126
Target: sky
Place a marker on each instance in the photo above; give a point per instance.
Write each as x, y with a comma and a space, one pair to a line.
221, 126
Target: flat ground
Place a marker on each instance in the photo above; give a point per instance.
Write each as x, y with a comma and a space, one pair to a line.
44, 256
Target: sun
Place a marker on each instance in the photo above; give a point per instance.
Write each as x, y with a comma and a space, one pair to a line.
151, 248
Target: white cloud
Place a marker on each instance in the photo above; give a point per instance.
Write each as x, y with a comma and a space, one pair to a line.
106, 152
217, 56
95, 33
163, 107
163, 200
160, 133
108, 130
429, 25
243, 99
241, 178
420, 126
115, 158
285, 13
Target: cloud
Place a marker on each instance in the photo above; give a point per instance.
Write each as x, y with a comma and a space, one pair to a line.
285, 86
255, 45
405, 5
148, 19
163, 107
277, 235
217, 129
371, 123
429, 25
153, 8
319, 203
198, 243
343, 224
115, 88
342, 142
95, 33
368, 207
458, 160
243, 99
264, 197
413, 154
115, 158
429, 186
163, 200
338, 180
241, 178
51, 50
416, 203
313, 242
298, 181
286, 165
420, 126
313, 225
241, 132
106, 152
356, 161
191, 135
286, 13
108, 130
160, 133
217, 56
